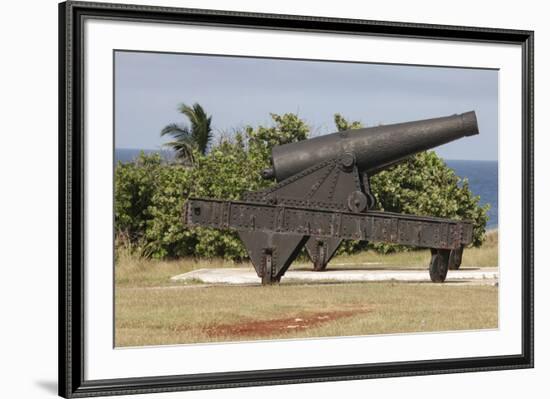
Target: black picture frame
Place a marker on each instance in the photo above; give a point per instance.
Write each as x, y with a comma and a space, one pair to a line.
71, 200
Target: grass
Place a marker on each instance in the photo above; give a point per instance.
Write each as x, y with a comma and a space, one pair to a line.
157, 316
150, 309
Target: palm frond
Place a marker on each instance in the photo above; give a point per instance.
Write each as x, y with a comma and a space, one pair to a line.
195, 137
200, 125
175, 129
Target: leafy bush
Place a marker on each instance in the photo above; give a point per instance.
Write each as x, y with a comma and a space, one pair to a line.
150, 194
134, 190
149, 198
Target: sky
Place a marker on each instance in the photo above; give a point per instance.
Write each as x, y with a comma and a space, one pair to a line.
241, 91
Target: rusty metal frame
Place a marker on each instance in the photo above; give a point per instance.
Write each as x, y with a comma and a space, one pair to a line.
376, 226
72, 381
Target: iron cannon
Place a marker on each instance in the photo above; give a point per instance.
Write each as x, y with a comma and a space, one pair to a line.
322, 196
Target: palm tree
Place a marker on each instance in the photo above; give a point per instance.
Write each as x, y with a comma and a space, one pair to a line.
187, 139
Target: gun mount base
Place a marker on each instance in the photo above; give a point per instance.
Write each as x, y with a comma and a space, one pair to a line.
321, 250
272, 253
274, 234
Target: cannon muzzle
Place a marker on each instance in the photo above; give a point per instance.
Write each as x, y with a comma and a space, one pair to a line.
374, 148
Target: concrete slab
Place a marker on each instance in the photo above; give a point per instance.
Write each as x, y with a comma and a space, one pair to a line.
242, 276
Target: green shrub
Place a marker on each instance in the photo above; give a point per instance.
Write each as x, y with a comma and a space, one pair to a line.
149, 198
134, 190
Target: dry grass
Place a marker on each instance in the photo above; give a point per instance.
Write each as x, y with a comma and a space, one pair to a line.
134, 271
156, 316
152, 310
486, 255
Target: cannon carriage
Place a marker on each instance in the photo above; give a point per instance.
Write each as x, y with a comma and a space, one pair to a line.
323, 196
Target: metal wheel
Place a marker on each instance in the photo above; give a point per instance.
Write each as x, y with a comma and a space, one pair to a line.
455, 258
267, 276
357, 201
439, 265
319, 263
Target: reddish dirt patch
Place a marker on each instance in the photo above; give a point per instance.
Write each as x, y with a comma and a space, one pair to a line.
277, 326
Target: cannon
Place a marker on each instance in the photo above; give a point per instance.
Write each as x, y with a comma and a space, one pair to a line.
322, 196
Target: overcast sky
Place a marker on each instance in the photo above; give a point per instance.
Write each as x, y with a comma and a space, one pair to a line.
240, 91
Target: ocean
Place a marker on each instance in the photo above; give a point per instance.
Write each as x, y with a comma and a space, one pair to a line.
482, 177
483, 180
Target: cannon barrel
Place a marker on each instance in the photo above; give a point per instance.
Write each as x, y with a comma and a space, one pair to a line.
374, 148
